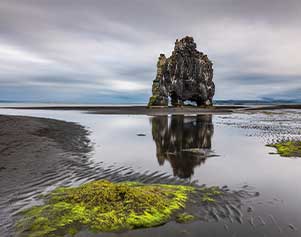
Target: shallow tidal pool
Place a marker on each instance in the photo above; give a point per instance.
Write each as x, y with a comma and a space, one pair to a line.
227, 151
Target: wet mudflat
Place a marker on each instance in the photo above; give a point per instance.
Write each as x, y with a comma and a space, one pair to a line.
228, 151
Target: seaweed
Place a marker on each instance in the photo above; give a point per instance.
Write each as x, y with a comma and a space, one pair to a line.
105, 207
209, 194
287, 148
185, 217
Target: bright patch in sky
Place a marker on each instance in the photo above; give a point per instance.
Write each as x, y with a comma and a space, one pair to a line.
9, 53
119, 85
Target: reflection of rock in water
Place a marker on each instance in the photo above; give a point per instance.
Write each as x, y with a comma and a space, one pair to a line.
184, 141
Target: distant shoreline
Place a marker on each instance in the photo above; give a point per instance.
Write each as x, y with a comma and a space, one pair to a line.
144, 110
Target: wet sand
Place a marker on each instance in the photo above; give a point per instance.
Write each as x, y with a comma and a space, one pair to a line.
31, 146
31, 154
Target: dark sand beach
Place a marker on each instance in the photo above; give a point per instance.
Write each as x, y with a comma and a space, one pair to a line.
32, 154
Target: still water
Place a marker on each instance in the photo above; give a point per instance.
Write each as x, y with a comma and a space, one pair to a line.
220, 150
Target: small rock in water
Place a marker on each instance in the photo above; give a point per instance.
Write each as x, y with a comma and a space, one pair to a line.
292, 227
141, 134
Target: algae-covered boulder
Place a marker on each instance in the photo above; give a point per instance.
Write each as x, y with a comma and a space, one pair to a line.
104, 206
287, 148
186, 75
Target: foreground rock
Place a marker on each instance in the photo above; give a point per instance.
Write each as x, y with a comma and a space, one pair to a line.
104, 206
186, 75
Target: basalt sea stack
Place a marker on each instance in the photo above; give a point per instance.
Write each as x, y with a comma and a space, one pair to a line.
186, 75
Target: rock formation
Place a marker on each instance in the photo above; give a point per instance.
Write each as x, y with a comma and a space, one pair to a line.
186, 75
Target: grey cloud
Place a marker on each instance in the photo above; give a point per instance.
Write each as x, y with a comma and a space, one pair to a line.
259, 79
291, 94
91, 42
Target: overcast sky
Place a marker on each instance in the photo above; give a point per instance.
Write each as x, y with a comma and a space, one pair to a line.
106, 50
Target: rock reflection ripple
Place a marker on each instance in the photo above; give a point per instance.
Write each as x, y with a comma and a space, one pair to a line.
183, 141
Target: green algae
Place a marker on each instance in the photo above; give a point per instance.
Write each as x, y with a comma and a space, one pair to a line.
104, 206
152, 101
288, 148
184, 218
209, 194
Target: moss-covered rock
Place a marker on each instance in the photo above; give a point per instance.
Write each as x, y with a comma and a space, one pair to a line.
288, 148
152, 100
157, 100
104, 206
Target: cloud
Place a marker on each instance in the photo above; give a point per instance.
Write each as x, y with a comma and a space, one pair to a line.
95, 48
13, 55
